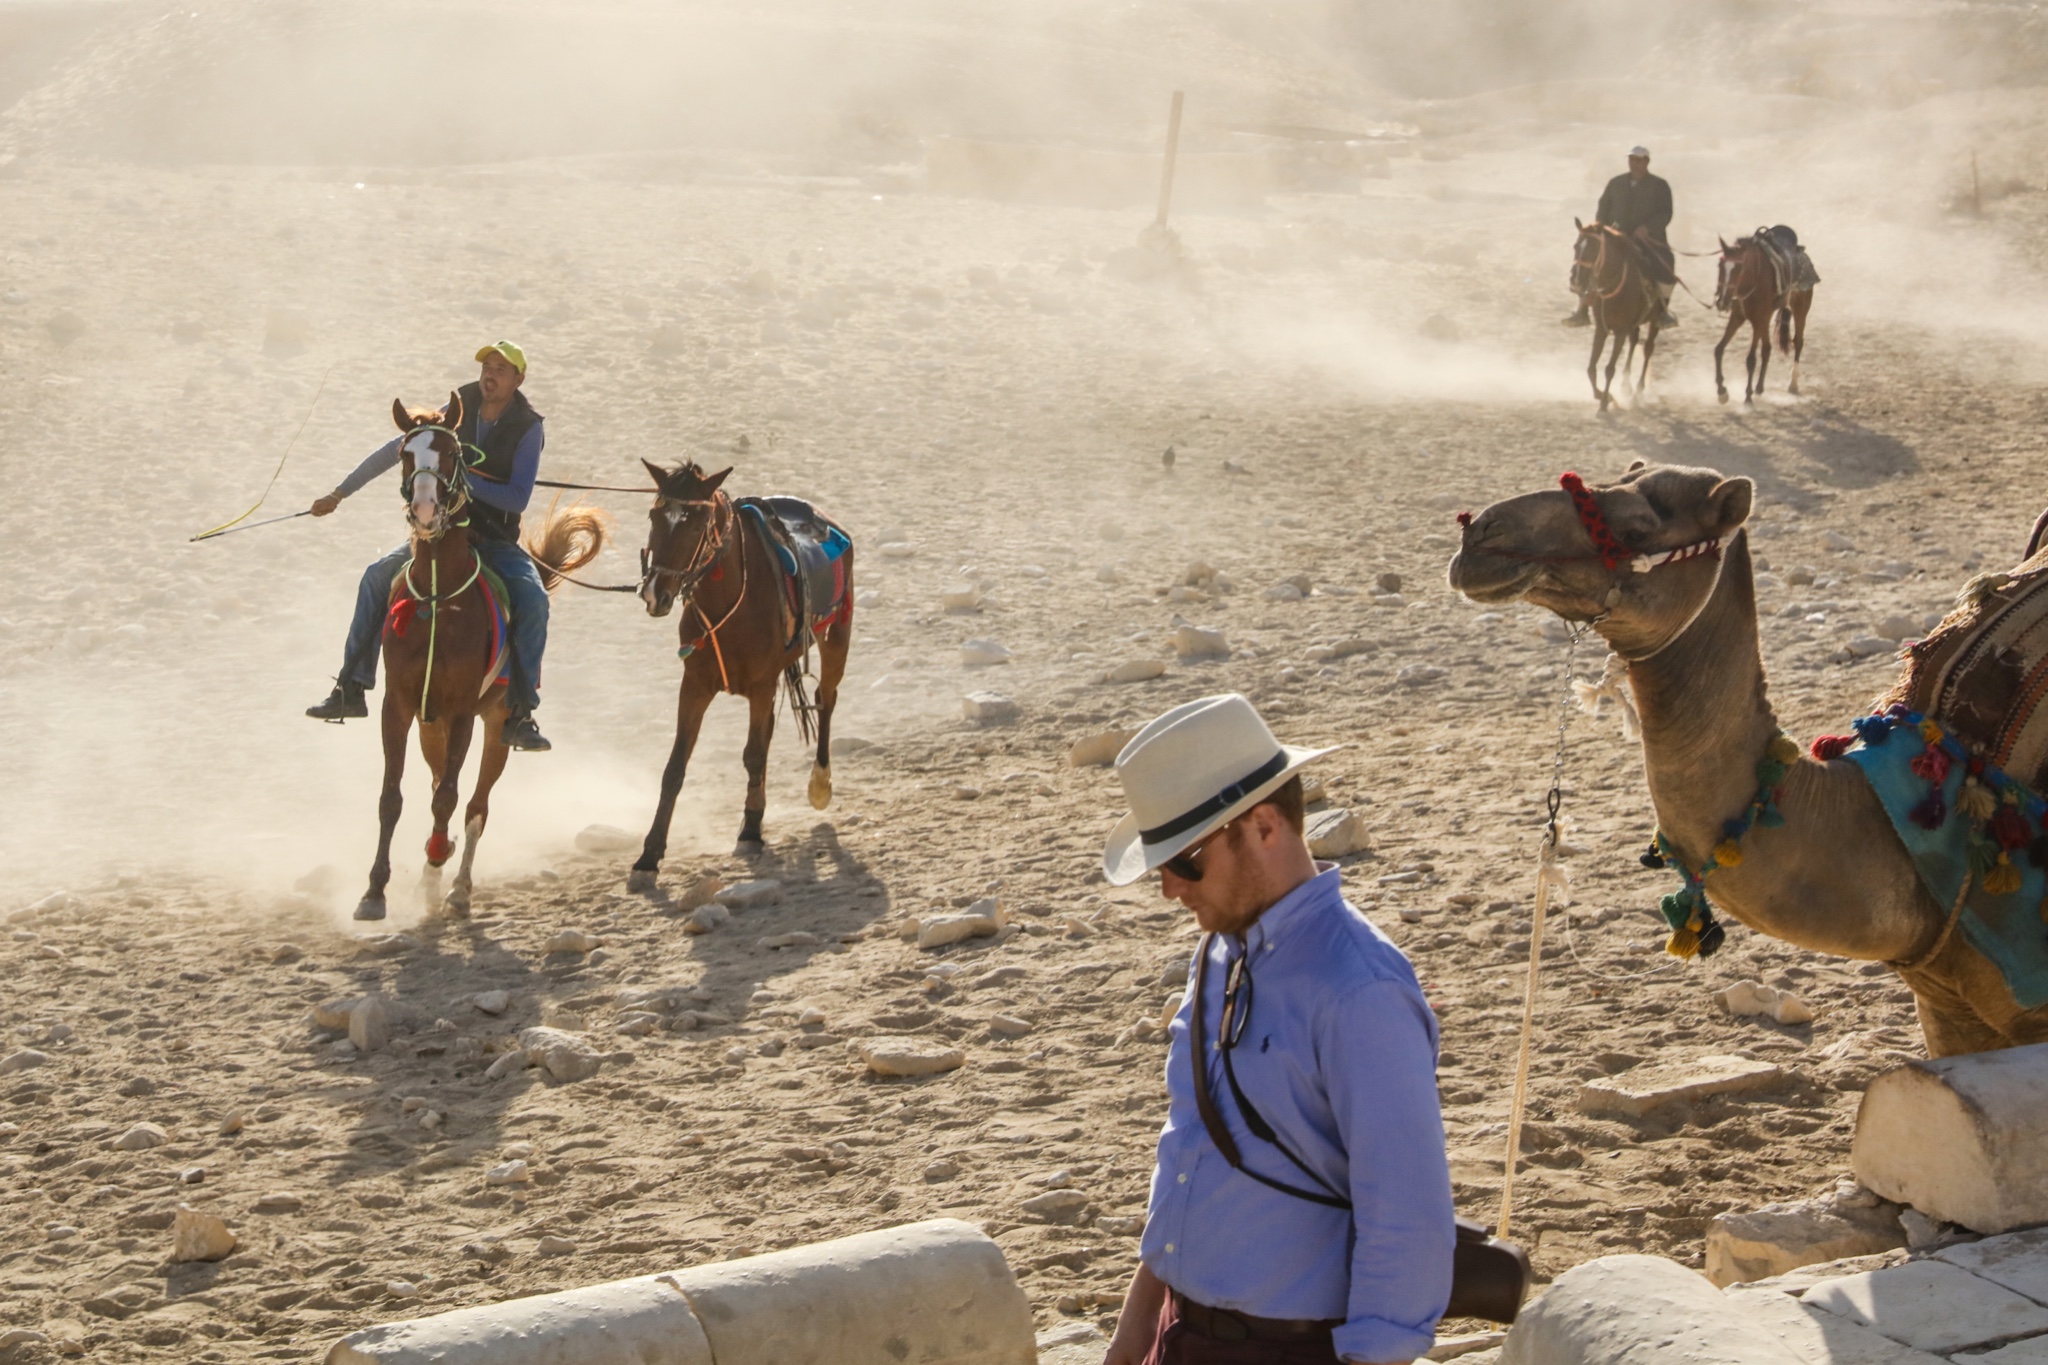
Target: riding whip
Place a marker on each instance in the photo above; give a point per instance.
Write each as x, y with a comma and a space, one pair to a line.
227, 526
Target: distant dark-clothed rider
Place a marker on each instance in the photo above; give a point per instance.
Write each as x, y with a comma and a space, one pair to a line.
498, 421
1639, 204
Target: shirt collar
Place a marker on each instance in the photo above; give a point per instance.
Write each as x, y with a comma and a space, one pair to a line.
1290, 910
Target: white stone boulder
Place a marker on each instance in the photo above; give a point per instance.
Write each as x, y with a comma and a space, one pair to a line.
754, 895
564, 1055
1335, 833
1639, 1310
1640, 1089
1098, 750
910, 1056
1200, 642
980, 920
2018, 1260
1754, 1000
1780, 1237
1960, 1138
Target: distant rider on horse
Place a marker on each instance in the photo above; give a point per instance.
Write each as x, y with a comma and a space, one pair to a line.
503, 432
1639, 204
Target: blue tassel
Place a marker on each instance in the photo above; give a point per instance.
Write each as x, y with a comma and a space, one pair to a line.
1872, 730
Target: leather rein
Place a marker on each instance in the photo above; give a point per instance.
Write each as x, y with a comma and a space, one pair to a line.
719, 528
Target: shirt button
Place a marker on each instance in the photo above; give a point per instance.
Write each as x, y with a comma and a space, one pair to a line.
1182, 1177
1169, 1248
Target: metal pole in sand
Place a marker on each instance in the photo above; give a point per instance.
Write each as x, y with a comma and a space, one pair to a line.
1172, 150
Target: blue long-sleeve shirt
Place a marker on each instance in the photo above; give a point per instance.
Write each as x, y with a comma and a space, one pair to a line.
510, 496
1339, 1056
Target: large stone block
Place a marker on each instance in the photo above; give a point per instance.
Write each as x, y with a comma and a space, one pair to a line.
1639, 1310
936, 1292
1781, 1237
1931, 1306
1639, 1090
1819, 1337
2018, 1260
1960, 1138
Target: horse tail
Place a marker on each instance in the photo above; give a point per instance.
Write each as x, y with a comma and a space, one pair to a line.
570, 537
1784, 327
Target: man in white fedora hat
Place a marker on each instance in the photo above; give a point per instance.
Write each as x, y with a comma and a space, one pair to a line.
1301, 1205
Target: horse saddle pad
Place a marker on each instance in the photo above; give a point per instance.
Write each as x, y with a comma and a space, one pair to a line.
810, 549
1794, 266
1981, 677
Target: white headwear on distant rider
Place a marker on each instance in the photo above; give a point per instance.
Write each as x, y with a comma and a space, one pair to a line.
1643, 152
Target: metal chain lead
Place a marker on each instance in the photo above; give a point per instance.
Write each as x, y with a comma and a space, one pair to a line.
1555, 800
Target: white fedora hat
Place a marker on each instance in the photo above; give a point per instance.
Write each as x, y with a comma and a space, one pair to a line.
1192, 771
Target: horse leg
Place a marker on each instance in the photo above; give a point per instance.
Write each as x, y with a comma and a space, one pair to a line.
832, 651
397, 720
691, 703
455, 736
1593, 361
1763, 336
1727, 335
1649, 349
1799, 336
1613, 359
479, 809
760, 731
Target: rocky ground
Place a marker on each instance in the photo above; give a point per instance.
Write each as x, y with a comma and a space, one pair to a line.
988, 387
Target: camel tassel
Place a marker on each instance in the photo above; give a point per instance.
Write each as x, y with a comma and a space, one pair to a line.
1612, 684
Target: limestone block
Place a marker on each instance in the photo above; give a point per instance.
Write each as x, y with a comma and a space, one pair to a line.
2018, 1260
1819, 1337
1639, 1310
1781, 1237
643, 1321
2032, 1351
937, 1291
910, 1056
992, 707
1931, 1306
1334, 833
1641, 1089
1959, 1138
1098, 750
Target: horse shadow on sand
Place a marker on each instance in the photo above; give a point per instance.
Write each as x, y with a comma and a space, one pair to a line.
1784, 453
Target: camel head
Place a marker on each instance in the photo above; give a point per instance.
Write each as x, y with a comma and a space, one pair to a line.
1642, 583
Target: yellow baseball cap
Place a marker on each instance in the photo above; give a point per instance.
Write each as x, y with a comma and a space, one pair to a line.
508, 351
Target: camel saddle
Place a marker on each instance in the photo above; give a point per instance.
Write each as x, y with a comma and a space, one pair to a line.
1980, 678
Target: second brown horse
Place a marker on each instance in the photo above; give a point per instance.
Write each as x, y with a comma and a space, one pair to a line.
742, 633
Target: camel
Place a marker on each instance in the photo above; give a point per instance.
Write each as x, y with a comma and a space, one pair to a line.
1834, 877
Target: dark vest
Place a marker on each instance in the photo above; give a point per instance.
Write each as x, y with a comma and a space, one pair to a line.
487, 522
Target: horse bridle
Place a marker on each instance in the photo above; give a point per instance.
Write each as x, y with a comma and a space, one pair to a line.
711, 540
457, 485
1616, 556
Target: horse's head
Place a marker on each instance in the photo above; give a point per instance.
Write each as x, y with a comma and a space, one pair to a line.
686, 529
1591, 554
1725, 270
433, 473
1586, 255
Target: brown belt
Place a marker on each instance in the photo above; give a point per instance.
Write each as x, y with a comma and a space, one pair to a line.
1224, 1324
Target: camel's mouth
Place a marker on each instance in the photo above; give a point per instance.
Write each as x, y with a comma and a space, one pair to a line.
1490, 578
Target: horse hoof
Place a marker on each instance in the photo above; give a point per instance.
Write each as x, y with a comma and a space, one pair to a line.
641, 880
370, 907
749, 848
457, 904
821, 787
1723, 396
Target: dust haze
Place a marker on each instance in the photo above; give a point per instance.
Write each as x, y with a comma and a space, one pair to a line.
882, 256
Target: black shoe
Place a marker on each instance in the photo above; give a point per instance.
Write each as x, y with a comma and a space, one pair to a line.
522, 734
345, 702
1579, 319
1668, 319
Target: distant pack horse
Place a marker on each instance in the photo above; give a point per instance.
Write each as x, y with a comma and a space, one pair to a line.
1607, 272
445, 640
1753, 287
758, 580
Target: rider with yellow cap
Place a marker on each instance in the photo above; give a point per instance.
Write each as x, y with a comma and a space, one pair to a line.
499, 422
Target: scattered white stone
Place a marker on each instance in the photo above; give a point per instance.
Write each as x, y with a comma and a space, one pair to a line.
942, 1169
509, 1173
961, 599
401, 1289
1898, 626
909, 1056
983, 653
21, 1336
981, 920
1283, 592
492, 1002
1199, 642
564, 1055
1389, 599
705, 918
1959, 1138
754, 895
1098, 750
1121, 1226
988, 707
638, 1024
197, 1236
1835, 540
333, 1014
369, 1024
896, 549
1781, 1237
432, 1119
1135, 670
554, 1246
1335, 833
141, 1138
1751, 999
22, 1061
279, 1201
505, 1066
233, 1123
572, 941
1009, 1025
1420, 675
1057, 1205
1869, 646
867, 597
1641, 1089
1076, 926
606, 839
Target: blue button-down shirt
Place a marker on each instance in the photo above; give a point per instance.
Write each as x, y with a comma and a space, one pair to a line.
1339, 1056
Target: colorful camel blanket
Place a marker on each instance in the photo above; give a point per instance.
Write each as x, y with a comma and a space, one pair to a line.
1962, 817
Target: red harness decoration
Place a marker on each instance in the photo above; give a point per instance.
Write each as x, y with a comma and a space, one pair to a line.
400, 617
1612, 552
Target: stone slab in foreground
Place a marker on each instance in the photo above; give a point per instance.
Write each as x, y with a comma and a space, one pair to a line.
1960, 1138
936, 1293
1638, 1091
1639, 1310
1931, 1306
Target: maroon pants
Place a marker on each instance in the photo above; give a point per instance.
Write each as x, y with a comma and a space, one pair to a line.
1179, 1344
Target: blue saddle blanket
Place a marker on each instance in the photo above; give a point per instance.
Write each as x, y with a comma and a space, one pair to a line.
2007, 928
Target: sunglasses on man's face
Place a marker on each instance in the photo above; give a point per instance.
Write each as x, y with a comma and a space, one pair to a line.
1183, 864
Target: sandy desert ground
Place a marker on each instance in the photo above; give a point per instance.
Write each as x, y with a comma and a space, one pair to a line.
1339, 367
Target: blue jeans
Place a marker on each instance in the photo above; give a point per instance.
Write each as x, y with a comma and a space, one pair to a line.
529, 606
